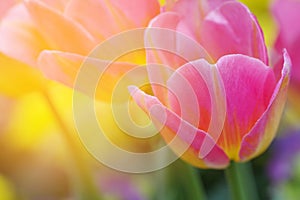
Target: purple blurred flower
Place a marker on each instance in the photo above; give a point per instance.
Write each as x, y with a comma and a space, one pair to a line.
285, 150
120, 186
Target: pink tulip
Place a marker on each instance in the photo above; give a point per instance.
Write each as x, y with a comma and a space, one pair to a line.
287, 14
220, 100
57, 35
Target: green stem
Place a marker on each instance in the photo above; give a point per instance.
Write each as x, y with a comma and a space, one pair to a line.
85, 186
241, 182
196, 183
187, 180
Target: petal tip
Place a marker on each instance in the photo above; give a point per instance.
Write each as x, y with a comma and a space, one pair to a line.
132, 89
287, 63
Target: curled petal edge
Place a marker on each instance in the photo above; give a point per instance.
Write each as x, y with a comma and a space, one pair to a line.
183, 138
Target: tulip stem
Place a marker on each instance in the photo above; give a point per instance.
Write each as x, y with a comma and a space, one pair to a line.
196, 183
241, 182
185, 179
85, 186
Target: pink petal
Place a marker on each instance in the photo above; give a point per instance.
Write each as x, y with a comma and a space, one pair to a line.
240, 32
197, 94
203, 7
137, 11
170, 48
60, 66
106, 18
179, 134
64, 67
249, 85
58, 5
19, 37
59, 31
259, 138
192, 12
98, 17
5, 5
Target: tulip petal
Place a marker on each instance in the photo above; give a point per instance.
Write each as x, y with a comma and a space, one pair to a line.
97, 14
64, 67
60, 32
60, 66
184, 6
196, 10
183, 138
197, 95
192, 21
19, 38
170, 48
195, 90
137, 11
249, 85
240, 32
5, 6
59, 5
261, 135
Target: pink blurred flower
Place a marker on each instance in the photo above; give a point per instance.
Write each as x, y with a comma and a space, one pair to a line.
226, 102
287, 15
5, 6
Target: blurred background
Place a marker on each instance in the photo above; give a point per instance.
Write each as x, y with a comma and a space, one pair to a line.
42, 158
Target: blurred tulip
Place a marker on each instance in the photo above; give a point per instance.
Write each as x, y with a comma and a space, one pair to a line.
25, 79
286, 13
52, 35
229, 110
